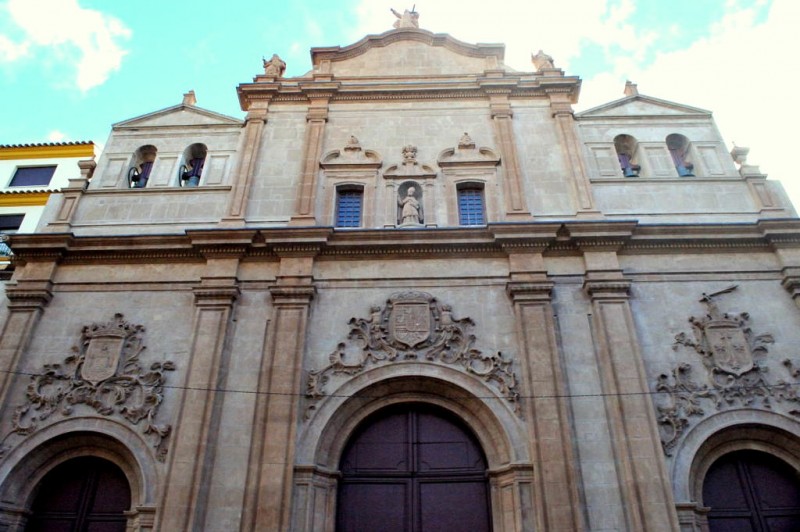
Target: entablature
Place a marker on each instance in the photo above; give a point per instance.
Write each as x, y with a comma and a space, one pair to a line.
547, 238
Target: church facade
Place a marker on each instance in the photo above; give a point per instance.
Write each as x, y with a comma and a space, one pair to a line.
412, 290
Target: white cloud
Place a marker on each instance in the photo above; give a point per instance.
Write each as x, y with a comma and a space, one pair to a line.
56, 136
561, 29
89, 40
11, 51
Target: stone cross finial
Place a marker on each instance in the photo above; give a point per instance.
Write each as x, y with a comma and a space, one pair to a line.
542, 61
409, 19
631, 89
189, 98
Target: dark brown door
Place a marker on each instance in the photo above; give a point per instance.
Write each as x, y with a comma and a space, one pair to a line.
413, 468
752, 491
85, 494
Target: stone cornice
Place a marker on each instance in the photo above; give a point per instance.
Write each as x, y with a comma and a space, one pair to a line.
303, 90
338, 53
500, 239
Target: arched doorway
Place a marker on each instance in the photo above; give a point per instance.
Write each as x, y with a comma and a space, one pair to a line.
85, 493
751, 490
413, 468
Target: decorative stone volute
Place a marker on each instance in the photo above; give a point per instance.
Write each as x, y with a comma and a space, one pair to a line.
351, 157
467, 154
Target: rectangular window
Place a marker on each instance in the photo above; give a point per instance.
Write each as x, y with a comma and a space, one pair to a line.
32, 176
348, 207
470, 206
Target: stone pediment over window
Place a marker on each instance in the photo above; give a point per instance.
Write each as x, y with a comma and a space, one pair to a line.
466, 154
351, 158
410, 167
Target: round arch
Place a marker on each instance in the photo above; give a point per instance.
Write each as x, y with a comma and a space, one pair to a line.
498, 429
322, 440
726, 432
24, 468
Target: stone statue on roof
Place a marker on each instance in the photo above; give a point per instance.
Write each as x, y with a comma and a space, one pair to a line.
275, 67
409, 19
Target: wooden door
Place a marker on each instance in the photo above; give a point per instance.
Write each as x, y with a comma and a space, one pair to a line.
413, 468
85, 494
752, 491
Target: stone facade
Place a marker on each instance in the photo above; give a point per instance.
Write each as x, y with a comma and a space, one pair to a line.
221, 340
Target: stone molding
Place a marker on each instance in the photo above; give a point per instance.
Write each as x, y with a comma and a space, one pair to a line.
573, 237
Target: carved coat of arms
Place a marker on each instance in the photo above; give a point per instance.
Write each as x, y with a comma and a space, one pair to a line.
410, 319
412, 326
104, 373
732, 356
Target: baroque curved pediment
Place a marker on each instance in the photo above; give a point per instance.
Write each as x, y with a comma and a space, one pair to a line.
351, 157
466, 153
412, 326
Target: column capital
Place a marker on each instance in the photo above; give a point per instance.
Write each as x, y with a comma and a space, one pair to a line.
607, 288
292, 295
530, 292
29, 295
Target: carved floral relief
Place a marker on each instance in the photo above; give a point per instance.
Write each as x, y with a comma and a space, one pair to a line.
735, 372
412, 326
103, 372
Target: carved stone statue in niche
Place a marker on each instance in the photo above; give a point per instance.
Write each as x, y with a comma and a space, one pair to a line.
275, 67
409, 206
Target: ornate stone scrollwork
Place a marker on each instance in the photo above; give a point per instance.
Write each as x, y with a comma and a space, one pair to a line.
413, 326
103, 372
735, 373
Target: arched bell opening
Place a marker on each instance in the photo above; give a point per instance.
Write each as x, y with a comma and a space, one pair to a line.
193, 162
141, 165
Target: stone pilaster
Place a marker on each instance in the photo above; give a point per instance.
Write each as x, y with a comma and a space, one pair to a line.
27, 298
782, 236
514, 192
71, 195
268, 499
243, 177
193, 451
641, 470
316, 119
555, 496
573, 154
692, 517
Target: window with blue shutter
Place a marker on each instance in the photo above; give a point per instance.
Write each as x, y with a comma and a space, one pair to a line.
348, 207
471, 206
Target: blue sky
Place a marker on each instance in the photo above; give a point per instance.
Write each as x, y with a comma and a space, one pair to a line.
71, 68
